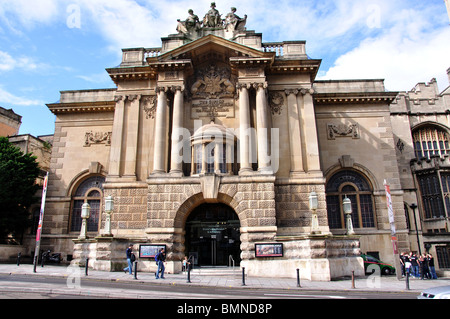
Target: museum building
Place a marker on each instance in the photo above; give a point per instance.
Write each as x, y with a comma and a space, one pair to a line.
227, 150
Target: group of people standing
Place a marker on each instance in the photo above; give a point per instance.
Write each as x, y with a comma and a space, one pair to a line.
418, 266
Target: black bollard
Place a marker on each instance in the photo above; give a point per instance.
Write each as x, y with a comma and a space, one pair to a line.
298, 278
135, 270
35, 263
407, 279
86, 267
18, 258
188, 273
43, 256
243, 276
353, 279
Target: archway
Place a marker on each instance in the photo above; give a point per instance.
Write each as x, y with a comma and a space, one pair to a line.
213, 235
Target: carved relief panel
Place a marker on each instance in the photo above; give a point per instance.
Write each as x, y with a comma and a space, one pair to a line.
212, 92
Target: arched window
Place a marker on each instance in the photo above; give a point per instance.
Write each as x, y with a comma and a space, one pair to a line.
356, 187
430, 140
89, 191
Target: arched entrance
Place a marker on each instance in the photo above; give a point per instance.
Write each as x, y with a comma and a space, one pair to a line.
213, 235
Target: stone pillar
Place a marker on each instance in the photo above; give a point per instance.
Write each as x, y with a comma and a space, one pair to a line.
295, 141
159, 159
116, 139
176, 165
310, 144
263, 129
132, 137
244, 130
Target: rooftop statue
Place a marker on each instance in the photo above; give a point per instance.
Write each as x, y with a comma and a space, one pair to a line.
234, 22
213, 18
193, 28
192, 23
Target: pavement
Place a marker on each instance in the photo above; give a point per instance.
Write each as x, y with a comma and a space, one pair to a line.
209, 278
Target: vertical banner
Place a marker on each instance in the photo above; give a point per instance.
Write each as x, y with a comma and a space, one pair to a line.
389, 207
41, 219
393, 234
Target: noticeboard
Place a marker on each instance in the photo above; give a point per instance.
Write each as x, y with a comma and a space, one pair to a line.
149, 251
269, 250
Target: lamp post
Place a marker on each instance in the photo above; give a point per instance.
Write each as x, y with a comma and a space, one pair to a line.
313, 205
85, 213
347, 203
109, 207
413, 207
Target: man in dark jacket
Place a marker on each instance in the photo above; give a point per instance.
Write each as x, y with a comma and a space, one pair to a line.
129, 253
161, 258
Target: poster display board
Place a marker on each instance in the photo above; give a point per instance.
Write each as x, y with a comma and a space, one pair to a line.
149, 251
269, 250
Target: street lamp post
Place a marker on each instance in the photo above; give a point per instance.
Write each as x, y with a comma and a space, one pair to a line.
109, 207
347, 203
313, 205
85, 213
413, 207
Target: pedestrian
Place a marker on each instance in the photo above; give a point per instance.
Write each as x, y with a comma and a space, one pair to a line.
129, 253
407, 264
423, 264
414, 264
185, 264
160, 259
431, 268
402, 263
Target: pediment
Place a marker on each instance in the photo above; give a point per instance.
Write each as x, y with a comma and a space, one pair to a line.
211, 46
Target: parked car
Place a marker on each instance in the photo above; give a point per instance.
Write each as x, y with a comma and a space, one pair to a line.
370, 264
442, 292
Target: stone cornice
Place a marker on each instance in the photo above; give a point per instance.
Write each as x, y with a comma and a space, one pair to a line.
354, 98
83, 107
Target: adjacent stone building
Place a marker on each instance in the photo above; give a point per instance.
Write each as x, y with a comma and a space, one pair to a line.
227, 149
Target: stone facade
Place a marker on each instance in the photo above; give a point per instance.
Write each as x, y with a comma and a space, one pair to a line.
216, 116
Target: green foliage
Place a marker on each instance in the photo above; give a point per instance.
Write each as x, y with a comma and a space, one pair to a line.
18, 173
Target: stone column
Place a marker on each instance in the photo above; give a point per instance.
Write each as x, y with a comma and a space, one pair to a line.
295, 142
244, 130
176, 165
264, 166
116, 139
159, 159
132, 137
310, 144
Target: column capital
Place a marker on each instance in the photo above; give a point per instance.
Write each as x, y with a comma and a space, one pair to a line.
258, 85
175, 88
305, 91
292, 91
160, 89
133, 97
240, 86
119, 98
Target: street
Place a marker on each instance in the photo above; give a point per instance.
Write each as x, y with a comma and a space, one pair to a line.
24, 287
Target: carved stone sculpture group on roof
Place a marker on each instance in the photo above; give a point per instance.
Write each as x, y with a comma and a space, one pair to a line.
212, 21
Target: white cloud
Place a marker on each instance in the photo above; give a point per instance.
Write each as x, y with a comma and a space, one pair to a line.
99, 78
408, 51
6, 97
8, 63
29, 13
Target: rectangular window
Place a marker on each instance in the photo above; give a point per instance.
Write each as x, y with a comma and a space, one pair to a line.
431, 196
334, 213
443, 259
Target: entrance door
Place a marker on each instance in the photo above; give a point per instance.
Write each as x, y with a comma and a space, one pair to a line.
212, 235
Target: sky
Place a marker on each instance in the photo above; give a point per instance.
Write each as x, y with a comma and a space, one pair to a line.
48, 46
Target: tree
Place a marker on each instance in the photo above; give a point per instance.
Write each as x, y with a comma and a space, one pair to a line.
18, 173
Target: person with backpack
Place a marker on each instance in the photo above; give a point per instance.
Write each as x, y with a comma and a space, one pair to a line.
130, 259
160, 259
